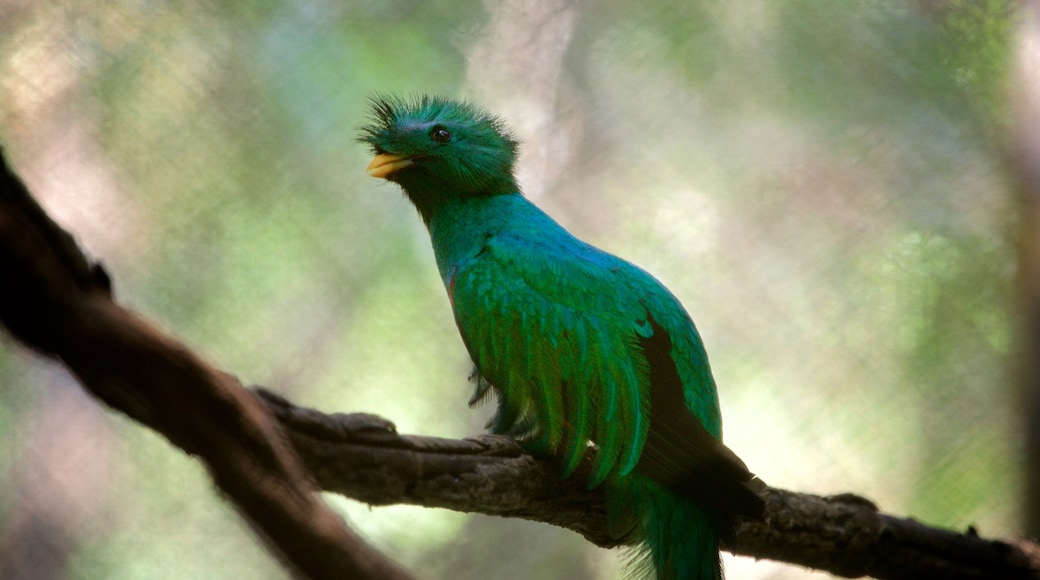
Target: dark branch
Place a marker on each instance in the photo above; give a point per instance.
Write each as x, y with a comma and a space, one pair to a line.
56, 301
362, 457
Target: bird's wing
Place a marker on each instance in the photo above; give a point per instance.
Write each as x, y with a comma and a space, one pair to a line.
680, 453
548, 329
564, 331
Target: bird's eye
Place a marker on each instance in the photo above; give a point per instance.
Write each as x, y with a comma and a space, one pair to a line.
440, 134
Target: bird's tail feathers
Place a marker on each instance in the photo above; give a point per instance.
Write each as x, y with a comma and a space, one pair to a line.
677, 539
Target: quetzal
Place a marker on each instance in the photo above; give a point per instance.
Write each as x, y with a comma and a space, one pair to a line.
587, 354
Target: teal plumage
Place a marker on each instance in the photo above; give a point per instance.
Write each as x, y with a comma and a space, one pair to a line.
588, 355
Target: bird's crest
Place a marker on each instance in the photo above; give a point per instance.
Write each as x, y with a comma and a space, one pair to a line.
391, 112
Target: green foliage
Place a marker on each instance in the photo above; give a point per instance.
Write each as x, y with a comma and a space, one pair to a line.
975, 40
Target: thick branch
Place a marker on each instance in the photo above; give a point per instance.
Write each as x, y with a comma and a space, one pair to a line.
56, 301
362, 457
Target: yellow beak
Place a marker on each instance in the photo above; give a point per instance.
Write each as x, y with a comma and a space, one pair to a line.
384, 165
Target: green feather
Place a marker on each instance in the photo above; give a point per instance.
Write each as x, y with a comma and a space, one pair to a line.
584, 350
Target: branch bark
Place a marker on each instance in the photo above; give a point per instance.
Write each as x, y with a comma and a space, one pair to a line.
58, 302
362, 457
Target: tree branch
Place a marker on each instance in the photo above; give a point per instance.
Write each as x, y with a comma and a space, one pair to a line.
59, 303
362, 457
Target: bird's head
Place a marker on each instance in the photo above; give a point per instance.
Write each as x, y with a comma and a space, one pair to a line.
438, 149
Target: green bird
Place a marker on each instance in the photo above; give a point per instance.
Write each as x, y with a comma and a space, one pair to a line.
591, 359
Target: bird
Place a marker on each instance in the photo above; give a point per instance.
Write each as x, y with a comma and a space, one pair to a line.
592, 361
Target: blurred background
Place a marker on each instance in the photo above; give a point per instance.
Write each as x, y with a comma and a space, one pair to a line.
821, 183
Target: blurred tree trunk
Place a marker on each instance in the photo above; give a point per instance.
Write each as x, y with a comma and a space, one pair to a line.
1026, 158
517, 65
